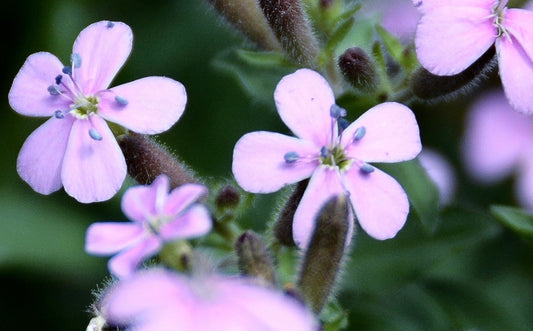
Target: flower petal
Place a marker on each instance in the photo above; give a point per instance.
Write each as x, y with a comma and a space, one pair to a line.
304, 99
41, 157
93, 170
125, 263
103, 48
154, 104
495, 138
324, 184
391, 134
29, 93
450, 39
104, 238
516, 70
141, 202
519, 24
182, 197
524, 183
430, 5
193, 223
380, 203
259, 165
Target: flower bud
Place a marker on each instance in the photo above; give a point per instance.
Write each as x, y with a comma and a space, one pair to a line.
290, 25
247, 17
146, 160
358, 69
227, 197
283, 225
323, 258
428, 86
254, 259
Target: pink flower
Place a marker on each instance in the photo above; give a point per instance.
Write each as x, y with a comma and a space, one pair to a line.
335, 159
452, 34
163, 301
156, 216
440, 172
75, 148
497, 142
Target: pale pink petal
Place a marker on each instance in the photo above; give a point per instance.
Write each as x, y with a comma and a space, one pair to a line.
154, 104
516, 70
440, 172
380, 203
141, 202
524, 182
391, 134
431, 5
93, 170
259, 165
29, 93
195, 222
103, 47
450, 39
324, 184
41, 157
125, 263
304, 99
519, 24
106, 238
400, 18
182, 197
495, 138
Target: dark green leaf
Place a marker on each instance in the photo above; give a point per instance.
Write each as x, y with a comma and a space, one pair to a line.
515, 219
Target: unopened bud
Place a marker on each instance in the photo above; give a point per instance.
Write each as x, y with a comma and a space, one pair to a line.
323, 257
283, 225
428, 86
146, 160
290, 25
227, 197
247, 17
358, 69
254, 258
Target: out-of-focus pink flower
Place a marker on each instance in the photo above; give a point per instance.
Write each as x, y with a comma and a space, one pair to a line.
440, 172
497, 142
75, 148
453, 34
156, 217
335, 158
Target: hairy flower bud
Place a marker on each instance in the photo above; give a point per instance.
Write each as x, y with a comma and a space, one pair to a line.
323, 258
290, 25
358, 69
246, 17
283, 225
428, 86
227, 197
146, 160
254, 258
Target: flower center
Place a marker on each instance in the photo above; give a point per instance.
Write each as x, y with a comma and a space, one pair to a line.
84, 106
335, 157
498, 11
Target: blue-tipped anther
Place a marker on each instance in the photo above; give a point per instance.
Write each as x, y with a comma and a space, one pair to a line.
95, 134
58, 79
53, 90
75, 59
367, 168
291, 157
359, 133
121, 101
110, 25
337, 112
67, 70
59, 114
343, 123
324, 152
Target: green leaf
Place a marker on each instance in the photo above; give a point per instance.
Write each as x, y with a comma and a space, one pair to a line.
515, 219
336, 39
334, 317
404, 55
257, 72
422, 192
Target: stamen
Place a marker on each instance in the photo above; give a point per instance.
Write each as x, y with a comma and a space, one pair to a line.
324, 152
53, 90
291, 157
343, 123
58, 79
337, 112
67, 70
110, 25
95, 134
75, 59
367, 168
59, 114
359, 133
121, 100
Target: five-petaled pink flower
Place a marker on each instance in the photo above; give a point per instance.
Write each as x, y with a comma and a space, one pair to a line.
156, 216
497, 142
453, 34
158, 300
75, 148
336, 159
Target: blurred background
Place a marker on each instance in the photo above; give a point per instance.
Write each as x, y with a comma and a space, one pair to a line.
471, 273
